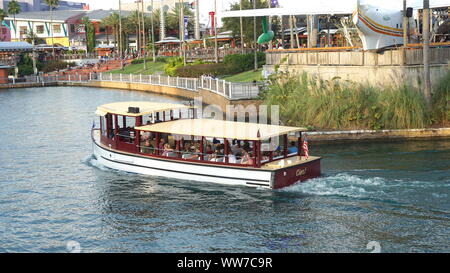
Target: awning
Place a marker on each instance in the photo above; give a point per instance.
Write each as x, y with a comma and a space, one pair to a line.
145, 108
100, 113
220, 129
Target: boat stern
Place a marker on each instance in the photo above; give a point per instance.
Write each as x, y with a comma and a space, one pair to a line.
285, 177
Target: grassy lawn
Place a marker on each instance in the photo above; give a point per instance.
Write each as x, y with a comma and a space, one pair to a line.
247, 76
152, 68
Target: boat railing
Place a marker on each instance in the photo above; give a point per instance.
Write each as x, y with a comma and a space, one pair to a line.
184, 155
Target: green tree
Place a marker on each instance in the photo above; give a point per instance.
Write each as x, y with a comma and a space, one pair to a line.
173, 18
133, 25
13, 9
32, 38
2, 15
90, 33
233, 24
52, 4
113, 21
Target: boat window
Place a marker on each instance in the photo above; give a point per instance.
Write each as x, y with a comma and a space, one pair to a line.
103, 126
126, 128
148, 143
147, 119
131, 122
271, 149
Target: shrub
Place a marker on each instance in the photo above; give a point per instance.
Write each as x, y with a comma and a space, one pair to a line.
441, 101
56, 65
172, 64
307, 101
245, 62
162, 59
25, 69
195, 71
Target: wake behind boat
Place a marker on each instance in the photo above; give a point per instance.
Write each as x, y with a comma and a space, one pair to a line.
163, 139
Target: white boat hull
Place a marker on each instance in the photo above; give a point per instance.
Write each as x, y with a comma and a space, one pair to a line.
182, 170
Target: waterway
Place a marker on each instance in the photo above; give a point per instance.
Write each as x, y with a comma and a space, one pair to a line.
54, 197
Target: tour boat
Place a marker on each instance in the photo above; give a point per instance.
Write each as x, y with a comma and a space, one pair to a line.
168, 140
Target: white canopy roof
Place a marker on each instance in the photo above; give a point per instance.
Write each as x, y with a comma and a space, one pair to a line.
324, 7
145, 108
220, 129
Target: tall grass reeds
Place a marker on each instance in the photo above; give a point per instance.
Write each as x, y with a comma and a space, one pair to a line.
344, 105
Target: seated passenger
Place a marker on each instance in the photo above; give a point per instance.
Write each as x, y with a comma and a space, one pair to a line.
146, 136
186, 153
246, 159
167, 150
209, 149
148, 148
292, 148
161, 145
232, 159
215, 157
216, 141
196, 155
246, 146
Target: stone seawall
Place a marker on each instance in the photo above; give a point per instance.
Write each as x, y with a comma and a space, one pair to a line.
382, 135
210, 98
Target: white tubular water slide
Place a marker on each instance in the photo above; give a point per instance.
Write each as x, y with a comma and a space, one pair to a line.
379, 22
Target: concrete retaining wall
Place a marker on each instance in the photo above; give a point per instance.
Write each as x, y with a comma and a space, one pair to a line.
382, 76
383, 135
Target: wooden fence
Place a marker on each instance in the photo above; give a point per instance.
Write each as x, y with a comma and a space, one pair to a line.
393, 57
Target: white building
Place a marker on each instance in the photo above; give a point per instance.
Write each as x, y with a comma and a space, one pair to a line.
63, 27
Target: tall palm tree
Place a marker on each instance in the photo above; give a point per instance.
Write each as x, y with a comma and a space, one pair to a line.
2, 15
13, 9
135, 26
113, 21
89, 33
52, 4
173, 18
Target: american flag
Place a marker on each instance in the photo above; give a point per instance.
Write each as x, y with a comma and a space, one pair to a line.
305, 148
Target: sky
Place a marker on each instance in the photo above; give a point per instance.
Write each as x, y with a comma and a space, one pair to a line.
205, 5
208, 5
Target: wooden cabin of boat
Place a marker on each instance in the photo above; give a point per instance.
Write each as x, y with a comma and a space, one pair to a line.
165, 139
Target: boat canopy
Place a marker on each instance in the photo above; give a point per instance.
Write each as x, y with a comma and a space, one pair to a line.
220, 129
145, 108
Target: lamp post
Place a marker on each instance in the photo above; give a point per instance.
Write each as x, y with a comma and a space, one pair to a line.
197, 20
153, 34
143, 36
270, 23
162, 19
254, 37
405, 25
426, 53
216, 46
120, 45
242, 29
138, 36
182, 49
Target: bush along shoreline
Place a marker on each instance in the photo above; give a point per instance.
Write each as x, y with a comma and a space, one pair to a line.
344, 105
232, 64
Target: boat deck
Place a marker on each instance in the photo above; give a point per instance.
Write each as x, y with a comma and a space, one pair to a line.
270, 166
288, 162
